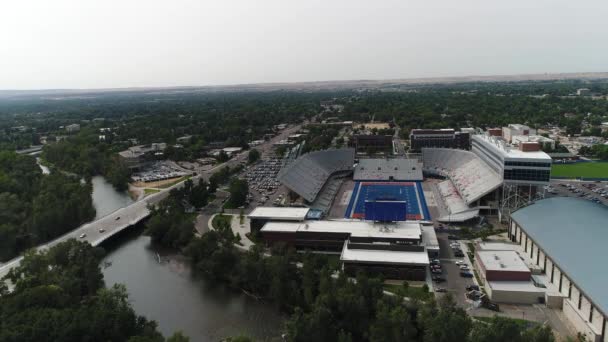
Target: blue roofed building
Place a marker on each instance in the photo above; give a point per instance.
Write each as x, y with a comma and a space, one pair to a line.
568, 239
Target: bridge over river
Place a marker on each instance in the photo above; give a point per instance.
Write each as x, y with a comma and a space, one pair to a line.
98, 231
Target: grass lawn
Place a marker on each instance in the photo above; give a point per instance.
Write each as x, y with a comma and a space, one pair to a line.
589, 170
181, 179
410, 291
221, 218
150, 191
523, 323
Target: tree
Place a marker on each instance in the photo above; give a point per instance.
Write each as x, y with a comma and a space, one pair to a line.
253, 156
238, 192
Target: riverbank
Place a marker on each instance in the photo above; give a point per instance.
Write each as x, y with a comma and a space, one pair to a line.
171, 293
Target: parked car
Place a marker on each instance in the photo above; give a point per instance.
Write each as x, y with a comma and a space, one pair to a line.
452, 237
466, 274
472, 287
459, 262
492, 306
464, 267
117, 218
101, 230
441, 289
438, 279
436, 271
459, 254
83, 235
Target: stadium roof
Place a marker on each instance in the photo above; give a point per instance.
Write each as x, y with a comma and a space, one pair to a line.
286, 213
573, 233
373, 256
401, 230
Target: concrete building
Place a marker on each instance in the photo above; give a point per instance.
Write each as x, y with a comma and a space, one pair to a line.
546, 143
398, 250
442, 138
524, 165
135, 157
583, 92
262, 215
566, 238
516, 129
73, 128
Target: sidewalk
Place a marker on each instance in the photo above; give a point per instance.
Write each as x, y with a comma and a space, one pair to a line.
237, 228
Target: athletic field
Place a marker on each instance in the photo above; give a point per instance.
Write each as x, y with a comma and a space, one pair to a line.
585, 170
410, 192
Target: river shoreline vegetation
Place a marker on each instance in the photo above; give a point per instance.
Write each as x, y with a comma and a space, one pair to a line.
59, 295
321, 302
36, 208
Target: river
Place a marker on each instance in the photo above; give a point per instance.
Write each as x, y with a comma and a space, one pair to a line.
106, 199
170, 294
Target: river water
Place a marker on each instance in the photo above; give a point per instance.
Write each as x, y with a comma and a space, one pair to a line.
106, 199
170, 294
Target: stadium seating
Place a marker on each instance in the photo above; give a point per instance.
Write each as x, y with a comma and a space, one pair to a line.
307, 174
451, 206
470, 175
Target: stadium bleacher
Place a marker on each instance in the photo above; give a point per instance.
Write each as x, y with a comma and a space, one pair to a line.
398, 169
307, 175
470, 175
451, 206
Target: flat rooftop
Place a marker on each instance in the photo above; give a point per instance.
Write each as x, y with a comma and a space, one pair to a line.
573, 232
497, 246
507, 151
384, 257
401, 230
285, 213
502, 261
515, 286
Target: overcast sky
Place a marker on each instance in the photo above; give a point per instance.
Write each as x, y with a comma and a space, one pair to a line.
138, 43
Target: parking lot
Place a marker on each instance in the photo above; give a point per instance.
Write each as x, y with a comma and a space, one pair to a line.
592, 191
158, 171
454, 283
262, 180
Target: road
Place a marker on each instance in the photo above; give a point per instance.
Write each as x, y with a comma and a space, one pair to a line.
96, 232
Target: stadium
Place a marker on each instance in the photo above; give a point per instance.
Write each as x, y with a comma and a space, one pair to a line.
494, 178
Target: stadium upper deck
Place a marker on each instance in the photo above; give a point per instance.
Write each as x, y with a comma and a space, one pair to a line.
307, 174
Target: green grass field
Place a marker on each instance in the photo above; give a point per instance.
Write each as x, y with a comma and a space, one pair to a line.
589, 170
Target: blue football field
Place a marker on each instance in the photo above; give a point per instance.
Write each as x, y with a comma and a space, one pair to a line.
410, 192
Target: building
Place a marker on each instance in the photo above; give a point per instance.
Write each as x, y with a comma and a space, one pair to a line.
566, 238
388, 170
583, 92
184, 140
262, 215
73, 128
440, 138
516, 129
546, 143
506, 278
397, 250
135, 157
371, 144
525, 165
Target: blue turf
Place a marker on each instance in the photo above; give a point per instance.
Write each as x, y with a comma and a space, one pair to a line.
384, 190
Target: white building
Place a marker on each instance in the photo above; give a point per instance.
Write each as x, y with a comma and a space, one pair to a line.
523, 165
516, 129
72, 128
544, 141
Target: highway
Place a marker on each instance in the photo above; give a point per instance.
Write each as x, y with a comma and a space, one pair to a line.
96, 232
